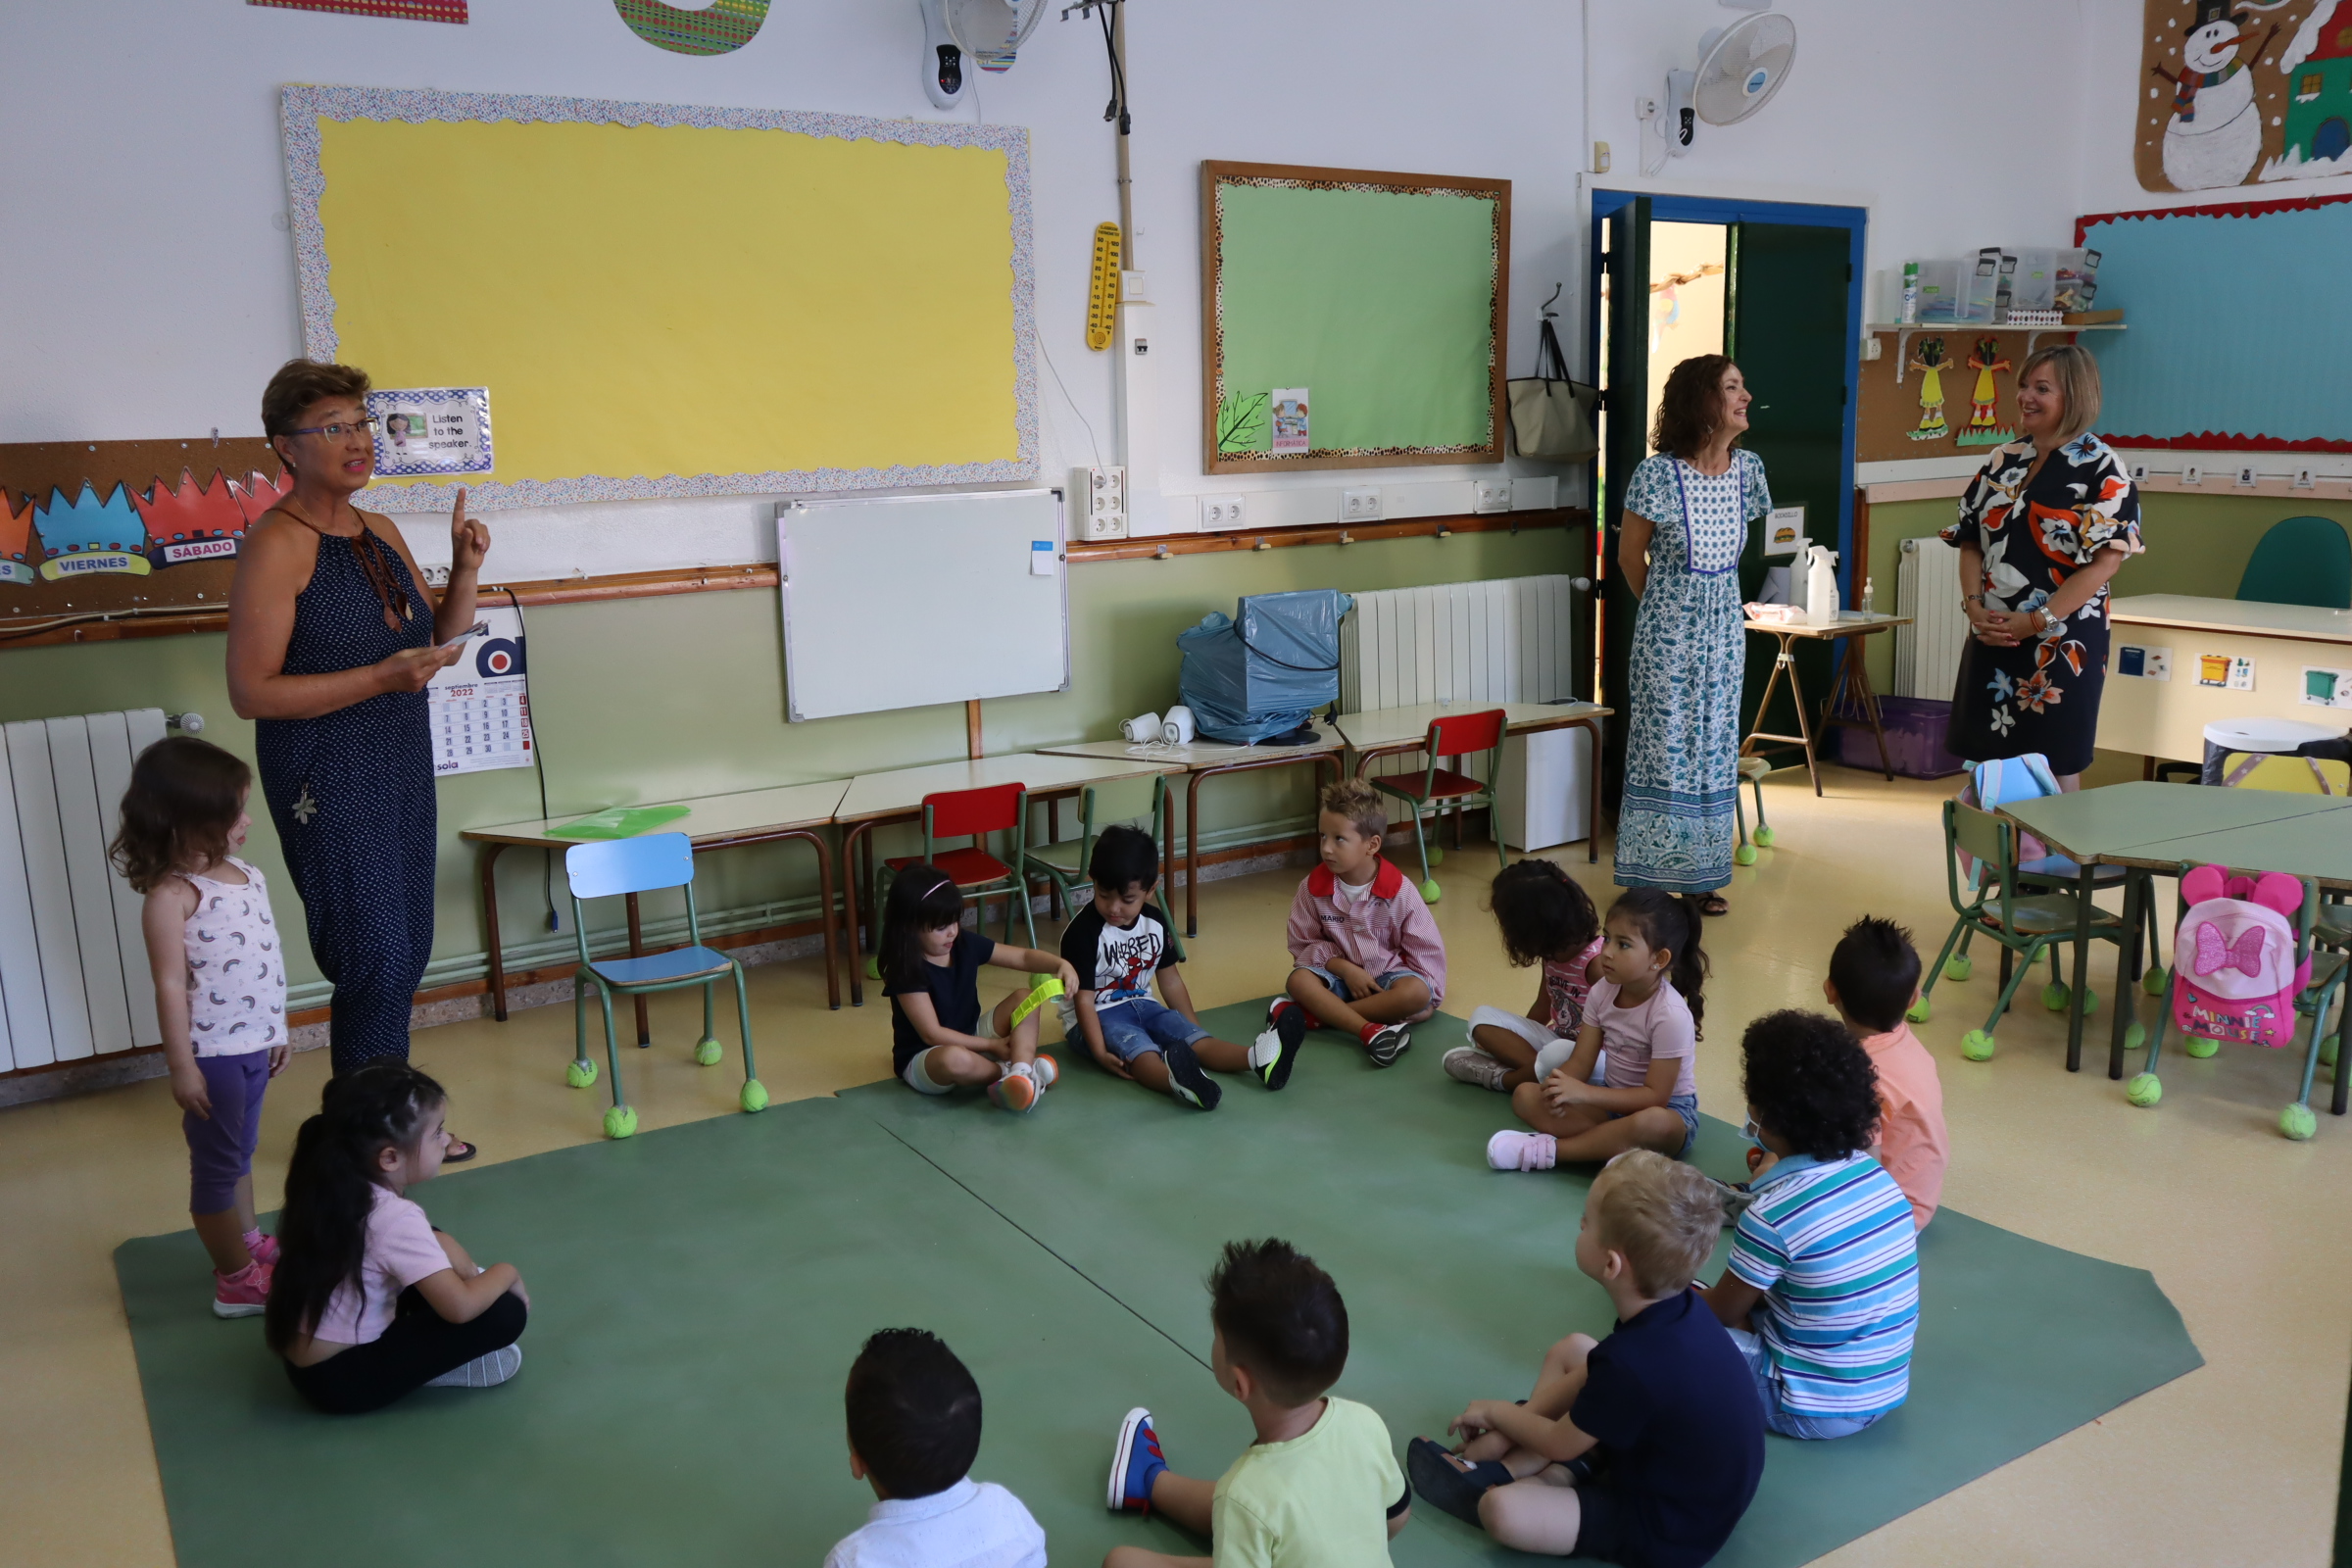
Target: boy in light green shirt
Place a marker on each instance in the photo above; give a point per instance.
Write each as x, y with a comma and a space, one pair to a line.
1320, 1487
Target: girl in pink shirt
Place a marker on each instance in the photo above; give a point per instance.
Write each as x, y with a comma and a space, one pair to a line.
370, 1301
1546, 919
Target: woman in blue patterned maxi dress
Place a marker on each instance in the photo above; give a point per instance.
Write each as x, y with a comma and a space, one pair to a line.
1687, 512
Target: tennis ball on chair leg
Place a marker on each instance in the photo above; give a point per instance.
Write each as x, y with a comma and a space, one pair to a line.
620, 1122
579, 1074
1920, 1011
1437, 855
1744, 855
2200, 1047
1977, 1046
2135, 1037
707, 1052
755, 1094
1763, 835
2055, 994
2143, 1090
1959, 967
2297, 1123
2153, 981
1431, 893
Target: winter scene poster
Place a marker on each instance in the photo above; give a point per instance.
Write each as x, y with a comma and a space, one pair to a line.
2244, 93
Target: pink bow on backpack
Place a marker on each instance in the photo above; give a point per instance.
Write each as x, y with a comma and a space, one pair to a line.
2214, 956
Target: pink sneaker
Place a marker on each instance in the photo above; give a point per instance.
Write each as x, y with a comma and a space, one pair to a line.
1513, 1150
244, 1293
1044, 1069
262, 1247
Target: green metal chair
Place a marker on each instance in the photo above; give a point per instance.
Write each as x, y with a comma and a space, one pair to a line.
1454, 735
2026, 925
2300, 560
1752, 773
648, 865
973, 813
1064, 865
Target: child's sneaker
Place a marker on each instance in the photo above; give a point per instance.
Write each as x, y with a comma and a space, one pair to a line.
262, 1248
1513, 1150
1471, 1066
1188, 1080
244, 1293
1015, 1091
483, 1371
1445, 1484
1044, 1069
1276, 1051
1134, 1463
1386, 1045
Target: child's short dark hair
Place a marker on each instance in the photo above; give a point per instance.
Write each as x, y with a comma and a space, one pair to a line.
915, 1413
1359, 803
1282, 1319
1810, 1083
1541, 912
1875, 970
1124, 858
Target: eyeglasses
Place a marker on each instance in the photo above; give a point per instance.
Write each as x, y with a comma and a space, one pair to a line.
366, 427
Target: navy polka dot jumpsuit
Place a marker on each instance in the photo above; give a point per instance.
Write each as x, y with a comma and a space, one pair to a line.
352, 795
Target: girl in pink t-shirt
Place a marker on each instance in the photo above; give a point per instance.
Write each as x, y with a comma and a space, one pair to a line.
370, 1301
1546, 919
1645, 1011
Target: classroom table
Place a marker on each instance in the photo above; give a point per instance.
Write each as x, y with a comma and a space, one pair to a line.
1393, 731
1852, 684
874, 799
712, 822
2149, 829
1203, 760
2167, 717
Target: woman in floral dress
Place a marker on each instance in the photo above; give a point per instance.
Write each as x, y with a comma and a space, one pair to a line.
2043, 526
1686, 512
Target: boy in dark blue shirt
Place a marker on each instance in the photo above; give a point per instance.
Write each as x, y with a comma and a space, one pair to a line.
1642, 1448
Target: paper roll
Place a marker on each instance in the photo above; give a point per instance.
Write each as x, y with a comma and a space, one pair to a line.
1140, 728
1177, 728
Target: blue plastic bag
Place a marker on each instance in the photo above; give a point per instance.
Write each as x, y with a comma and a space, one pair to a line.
1264, 671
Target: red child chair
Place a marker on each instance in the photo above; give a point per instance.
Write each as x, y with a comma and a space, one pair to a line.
953, 814
1454, 735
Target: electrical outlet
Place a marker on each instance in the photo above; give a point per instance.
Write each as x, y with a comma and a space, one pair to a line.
1490, 495
436, 576
1644, 107
1222, 512
1101, 500
1359, 505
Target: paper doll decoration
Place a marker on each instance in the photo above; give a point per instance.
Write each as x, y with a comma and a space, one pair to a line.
1930, 362
1984, 428
2214, 137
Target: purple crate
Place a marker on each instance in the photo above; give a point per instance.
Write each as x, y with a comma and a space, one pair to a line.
1915, 728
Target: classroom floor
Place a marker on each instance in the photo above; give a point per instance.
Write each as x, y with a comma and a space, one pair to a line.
2236, 1461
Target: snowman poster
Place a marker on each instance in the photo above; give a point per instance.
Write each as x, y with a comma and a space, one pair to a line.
2240, 92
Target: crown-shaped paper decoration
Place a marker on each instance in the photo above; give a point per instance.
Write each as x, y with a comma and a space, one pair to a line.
88, 525
16, 529
187, 514
256, 495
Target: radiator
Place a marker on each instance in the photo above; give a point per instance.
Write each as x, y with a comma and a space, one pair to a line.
1505, 640
73, 975
1927, 588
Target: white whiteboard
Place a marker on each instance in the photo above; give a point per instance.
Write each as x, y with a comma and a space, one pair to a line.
903, 601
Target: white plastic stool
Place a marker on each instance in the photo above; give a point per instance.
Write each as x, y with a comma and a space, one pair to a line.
2267, 737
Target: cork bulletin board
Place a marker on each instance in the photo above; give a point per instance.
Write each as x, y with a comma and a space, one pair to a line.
1894, 424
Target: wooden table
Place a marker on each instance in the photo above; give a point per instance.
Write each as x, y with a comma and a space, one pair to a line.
1393, 731
873, 799
2168, 717
2149, 829
1853, 682
712, 822
1204, 760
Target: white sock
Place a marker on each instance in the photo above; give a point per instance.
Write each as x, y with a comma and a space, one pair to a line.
483, 1371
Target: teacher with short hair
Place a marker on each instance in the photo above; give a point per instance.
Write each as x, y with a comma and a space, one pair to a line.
332, 642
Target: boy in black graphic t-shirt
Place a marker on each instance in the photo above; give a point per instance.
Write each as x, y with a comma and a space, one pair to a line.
1118, 944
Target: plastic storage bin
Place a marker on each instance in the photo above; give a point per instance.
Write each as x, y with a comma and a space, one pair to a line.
1915, 731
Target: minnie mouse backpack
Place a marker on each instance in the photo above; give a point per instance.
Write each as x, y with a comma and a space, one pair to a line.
2235, 971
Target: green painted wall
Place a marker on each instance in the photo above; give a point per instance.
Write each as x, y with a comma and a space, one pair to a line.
649, 698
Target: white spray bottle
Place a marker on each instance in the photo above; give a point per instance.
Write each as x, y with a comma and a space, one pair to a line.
1821, 585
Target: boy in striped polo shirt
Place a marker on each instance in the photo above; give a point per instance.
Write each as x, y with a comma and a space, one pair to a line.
1822, 1288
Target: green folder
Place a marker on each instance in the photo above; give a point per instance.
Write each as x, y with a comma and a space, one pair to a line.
619, 823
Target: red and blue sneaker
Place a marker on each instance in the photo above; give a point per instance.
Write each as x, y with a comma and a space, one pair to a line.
1134, 1463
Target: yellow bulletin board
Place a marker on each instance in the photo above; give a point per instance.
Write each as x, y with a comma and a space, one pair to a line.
672, 300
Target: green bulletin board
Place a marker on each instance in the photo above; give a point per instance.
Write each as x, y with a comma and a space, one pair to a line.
1370, 304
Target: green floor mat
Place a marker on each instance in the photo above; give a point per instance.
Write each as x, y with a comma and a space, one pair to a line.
1457, 1276
698, 1295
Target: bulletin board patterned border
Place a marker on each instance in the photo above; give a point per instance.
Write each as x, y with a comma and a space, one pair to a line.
304, 106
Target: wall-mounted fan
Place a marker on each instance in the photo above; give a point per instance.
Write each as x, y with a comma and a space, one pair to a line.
957, 34
1739, 68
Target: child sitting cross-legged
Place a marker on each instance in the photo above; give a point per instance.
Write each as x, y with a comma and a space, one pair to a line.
1874, 979
1116, 945
1546, 919
1642, 1448
1319, 1488
1645, 1009
1822, 1292
940, 1041
1369, 958
914, 1430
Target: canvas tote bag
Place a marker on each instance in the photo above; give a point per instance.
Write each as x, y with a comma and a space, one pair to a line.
1551, 417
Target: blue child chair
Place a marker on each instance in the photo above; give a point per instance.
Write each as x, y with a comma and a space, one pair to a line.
646, 864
